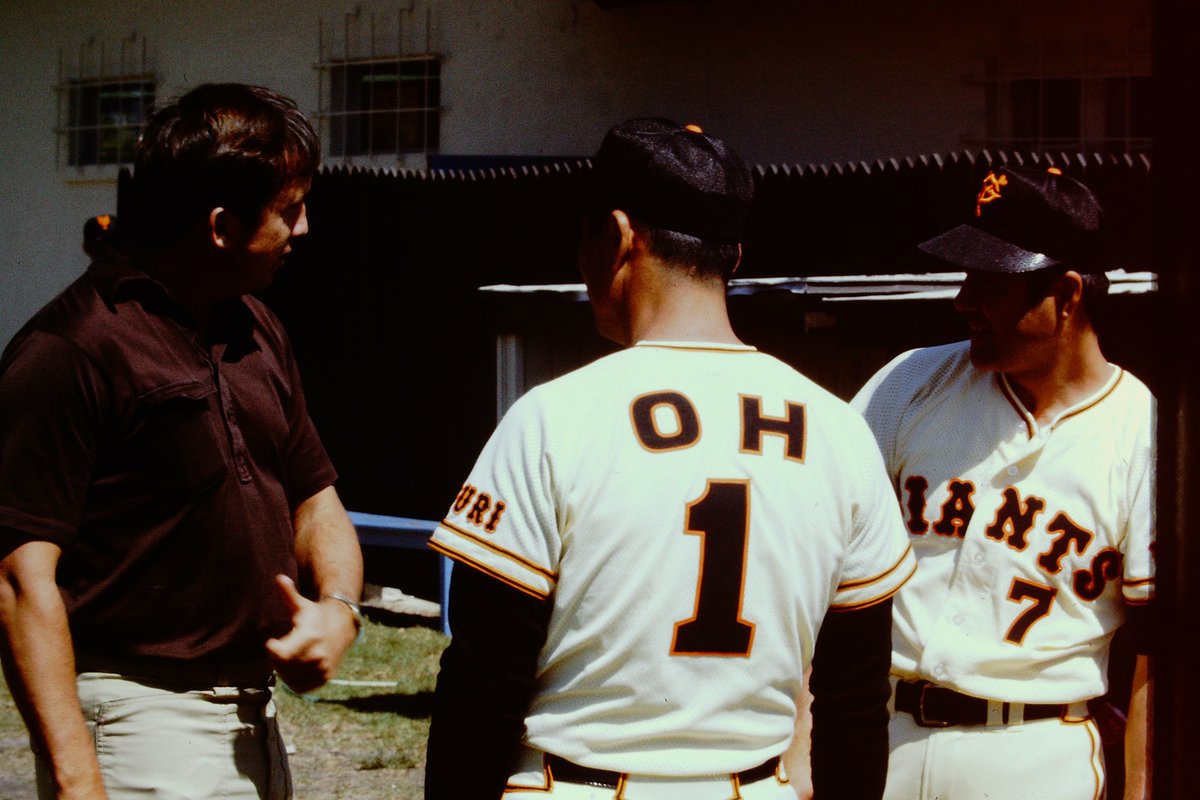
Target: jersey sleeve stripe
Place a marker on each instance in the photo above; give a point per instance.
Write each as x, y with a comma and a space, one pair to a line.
550, 575
877, 599
856, 584
486, 570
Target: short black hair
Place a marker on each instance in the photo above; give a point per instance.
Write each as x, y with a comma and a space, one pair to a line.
1094, 297
697, 258
221, 144
700, 258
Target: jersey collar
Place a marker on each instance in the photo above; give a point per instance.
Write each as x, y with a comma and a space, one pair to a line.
673, 345
1071, 411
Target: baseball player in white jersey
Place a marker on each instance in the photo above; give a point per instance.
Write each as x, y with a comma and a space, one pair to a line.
1023, 462
652, 549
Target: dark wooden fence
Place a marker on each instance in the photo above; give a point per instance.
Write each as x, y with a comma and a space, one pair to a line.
397, 346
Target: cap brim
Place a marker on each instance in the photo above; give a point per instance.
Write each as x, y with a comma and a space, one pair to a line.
972, 248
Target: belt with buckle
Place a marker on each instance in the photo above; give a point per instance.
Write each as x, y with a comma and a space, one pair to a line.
570, 772
933, 706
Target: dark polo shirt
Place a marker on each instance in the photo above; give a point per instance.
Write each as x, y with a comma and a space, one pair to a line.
166, 465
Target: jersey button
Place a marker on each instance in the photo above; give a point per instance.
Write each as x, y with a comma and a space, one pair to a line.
1012, 471
958, 619
939, 671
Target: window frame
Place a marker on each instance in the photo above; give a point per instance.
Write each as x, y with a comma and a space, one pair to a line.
92, 134
353, 117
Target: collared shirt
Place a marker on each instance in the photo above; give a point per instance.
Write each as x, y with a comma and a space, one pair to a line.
164, 463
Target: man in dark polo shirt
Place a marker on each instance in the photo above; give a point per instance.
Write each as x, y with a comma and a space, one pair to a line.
169, 532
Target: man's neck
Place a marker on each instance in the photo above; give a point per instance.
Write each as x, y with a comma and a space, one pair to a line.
176, 267
1075, 374
681, 309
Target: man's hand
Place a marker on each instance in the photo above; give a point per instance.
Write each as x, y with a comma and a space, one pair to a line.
311, 652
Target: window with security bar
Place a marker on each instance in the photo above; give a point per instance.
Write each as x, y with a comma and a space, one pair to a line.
105, 92
1084, 89
1100, 115
104, 117
383, 106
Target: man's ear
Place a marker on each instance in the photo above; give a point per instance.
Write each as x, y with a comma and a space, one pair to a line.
622, 235
1068, 293
224, 228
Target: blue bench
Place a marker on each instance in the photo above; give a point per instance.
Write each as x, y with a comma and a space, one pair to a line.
380, 530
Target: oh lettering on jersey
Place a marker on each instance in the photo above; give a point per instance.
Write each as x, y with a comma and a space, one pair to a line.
650, 411
666, 421
482, 511
1011, 526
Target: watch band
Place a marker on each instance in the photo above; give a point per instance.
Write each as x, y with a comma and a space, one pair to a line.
354, 607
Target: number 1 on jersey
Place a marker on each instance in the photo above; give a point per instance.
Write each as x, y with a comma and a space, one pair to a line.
722, 520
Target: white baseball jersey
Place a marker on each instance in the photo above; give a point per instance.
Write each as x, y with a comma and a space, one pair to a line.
1030, 539
692, 511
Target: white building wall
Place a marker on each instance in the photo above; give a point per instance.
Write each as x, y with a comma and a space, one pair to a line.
786, 81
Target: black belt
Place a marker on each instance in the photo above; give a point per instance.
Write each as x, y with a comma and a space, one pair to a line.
934, 706
570, 772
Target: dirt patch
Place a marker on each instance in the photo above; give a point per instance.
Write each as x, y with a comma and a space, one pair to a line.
16, 770
332, 774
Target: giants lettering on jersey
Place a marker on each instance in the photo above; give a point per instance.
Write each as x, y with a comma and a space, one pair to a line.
1013, 521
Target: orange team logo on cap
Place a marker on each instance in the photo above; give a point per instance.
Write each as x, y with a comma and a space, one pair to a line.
694, 128
990, 191
1054, 170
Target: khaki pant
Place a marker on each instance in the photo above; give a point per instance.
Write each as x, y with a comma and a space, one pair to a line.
162, 741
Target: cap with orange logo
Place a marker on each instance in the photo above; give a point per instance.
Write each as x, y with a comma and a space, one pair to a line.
1026, 219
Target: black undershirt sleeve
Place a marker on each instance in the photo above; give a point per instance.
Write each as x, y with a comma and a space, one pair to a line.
850, 691
1139, 628
484, 687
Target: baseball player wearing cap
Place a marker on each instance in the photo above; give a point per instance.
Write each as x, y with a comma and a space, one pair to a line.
1023, 464
649, 547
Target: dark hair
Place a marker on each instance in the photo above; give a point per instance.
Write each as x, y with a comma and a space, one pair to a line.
1094, 297
221, 144
700, 258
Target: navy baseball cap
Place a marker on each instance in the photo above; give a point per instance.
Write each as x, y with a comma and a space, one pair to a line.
675, 177
1026, 219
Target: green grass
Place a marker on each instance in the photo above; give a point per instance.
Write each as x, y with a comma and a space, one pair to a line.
354, 741
376, 726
